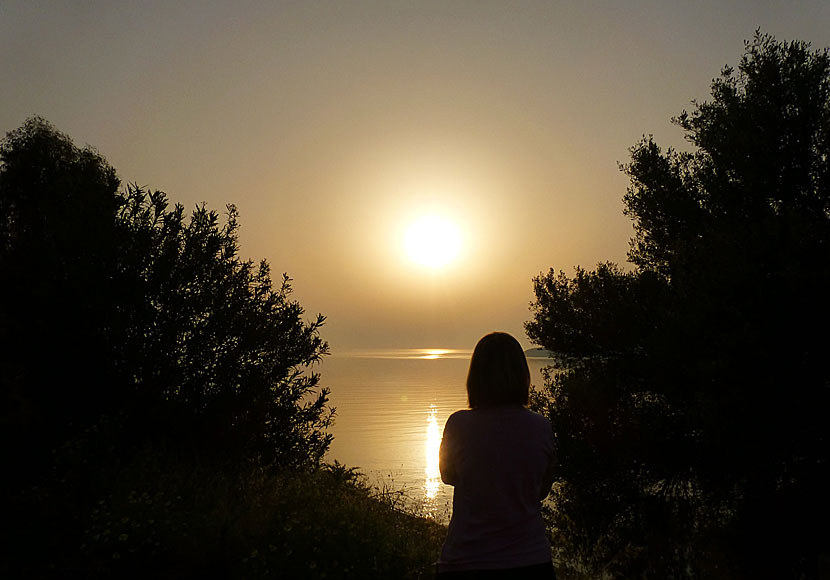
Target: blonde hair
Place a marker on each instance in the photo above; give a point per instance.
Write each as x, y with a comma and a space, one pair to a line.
498, 373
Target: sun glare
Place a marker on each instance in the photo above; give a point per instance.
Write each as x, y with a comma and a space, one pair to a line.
432, 241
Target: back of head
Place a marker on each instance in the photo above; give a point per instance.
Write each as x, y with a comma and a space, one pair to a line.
498, 373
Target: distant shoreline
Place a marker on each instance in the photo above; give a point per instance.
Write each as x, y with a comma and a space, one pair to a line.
539, 353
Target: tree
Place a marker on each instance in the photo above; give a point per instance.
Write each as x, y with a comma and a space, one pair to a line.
711, 416
134, 340
142, 312
57, 232
209, 344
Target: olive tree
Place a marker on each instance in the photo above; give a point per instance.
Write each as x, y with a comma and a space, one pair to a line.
690, 402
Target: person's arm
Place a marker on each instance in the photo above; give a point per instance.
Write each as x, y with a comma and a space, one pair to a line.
547, 480
446, 463
550, 472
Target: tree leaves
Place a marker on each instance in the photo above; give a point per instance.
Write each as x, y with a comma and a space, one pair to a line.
687, 395
149, 312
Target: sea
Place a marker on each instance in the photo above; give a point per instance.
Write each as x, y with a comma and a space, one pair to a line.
391, 406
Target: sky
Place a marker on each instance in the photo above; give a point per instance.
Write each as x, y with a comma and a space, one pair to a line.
334, 126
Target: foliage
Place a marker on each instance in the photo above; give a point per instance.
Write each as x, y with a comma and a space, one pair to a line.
209, 340
146, 313
691, 395
129, 332
595, 313
57, 255
164, 516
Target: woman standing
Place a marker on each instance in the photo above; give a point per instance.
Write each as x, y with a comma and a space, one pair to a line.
500, 457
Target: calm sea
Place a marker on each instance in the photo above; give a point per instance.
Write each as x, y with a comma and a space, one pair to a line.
391, 409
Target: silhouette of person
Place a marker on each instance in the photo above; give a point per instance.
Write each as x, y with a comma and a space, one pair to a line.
500, 457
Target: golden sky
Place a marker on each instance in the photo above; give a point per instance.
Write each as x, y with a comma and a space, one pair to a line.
333, 126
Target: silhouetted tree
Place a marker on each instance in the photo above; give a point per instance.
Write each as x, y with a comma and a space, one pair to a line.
135, 341
692, 404
58, 259
208, 343
114, 302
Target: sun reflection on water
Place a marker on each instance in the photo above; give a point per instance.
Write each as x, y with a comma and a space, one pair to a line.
434, 353
433, 444
408, 353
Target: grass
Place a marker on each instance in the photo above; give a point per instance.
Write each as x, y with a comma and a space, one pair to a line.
160, 517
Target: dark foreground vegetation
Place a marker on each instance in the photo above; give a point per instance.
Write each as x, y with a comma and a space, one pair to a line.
692, 405
160, 413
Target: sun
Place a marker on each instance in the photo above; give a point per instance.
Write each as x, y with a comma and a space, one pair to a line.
432, 241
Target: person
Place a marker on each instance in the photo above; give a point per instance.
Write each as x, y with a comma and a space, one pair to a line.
500, 458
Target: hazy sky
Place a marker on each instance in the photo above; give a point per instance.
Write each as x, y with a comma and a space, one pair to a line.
333, 125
